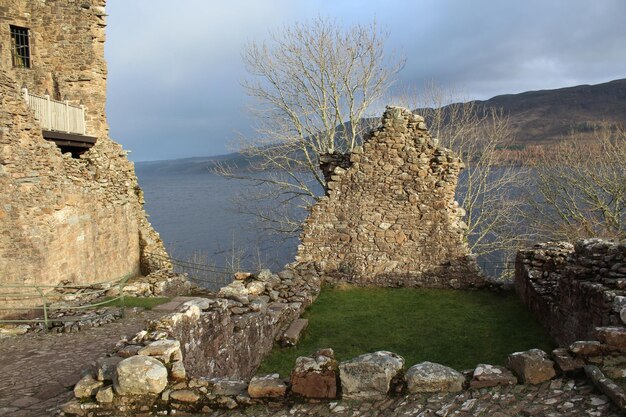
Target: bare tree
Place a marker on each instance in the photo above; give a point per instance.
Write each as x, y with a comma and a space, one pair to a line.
313, 85
579, 188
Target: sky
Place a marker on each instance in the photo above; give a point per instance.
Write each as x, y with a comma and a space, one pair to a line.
175, 67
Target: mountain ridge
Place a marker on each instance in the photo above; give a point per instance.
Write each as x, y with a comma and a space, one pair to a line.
536, 117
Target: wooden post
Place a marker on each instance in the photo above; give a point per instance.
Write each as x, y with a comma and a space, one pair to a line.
25, 92
48, 123
67, 117
84, 123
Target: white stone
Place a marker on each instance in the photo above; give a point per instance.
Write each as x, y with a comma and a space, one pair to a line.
162, 349
433, 377
139, 375
368, 377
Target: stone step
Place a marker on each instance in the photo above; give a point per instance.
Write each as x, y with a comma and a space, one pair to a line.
294, 332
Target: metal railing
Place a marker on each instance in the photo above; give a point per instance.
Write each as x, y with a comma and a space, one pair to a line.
47, 299
60, 116
208, 276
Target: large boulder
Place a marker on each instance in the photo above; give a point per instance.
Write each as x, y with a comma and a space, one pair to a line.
316, 376
368, 377
433, 377
140, 375
531, 366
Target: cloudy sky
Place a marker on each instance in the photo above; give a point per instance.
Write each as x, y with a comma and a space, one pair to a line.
175, 67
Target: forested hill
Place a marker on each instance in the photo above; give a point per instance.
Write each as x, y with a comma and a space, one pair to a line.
547, 115
537, 117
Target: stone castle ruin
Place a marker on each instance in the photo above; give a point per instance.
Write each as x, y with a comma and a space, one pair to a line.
70, 205
389, 217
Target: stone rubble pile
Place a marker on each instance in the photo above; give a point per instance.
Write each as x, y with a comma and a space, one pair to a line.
161, 283
69, 311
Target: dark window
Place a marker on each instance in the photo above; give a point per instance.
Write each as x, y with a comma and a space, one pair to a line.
20, 47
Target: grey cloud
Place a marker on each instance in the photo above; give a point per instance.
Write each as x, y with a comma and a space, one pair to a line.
175, 70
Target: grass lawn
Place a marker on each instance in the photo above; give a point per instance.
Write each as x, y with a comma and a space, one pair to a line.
459, 329
144, 302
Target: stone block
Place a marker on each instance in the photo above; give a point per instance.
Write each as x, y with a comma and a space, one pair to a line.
105, 395
315, 377
607, 386
228, 387
129, 350
612, 336
433, 377
161, 349
369, 376
268, 386
485, 376
105, 368
87, 386
587, 348
178, 372
566, 362
531, 367
185, 396
294, 332
140, 375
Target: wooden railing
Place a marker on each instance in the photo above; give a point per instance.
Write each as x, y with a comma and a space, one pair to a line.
56, 115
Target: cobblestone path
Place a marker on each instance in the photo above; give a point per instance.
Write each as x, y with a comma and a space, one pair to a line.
555, 398
38, 370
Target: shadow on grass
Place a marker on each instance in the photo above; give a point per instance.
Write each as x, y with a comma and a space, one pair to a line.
459, 329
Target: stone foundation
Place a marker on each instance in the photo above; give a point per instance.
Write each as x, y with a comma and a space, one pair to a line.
389, 217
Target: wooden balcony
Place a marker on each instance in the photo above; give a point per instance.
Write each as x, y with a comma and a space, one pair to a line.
61, 122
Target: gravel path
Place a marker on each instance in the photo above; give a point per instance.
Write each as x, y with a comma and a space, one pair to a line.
38, 370
555, 398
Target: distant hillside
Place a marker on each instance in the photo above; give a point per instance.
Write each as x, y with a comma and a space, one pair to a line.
190, 165
546, 115
536, 117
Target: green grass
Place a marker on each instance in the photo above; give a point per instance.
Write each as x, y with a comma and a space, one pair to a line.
456, 328
143, 302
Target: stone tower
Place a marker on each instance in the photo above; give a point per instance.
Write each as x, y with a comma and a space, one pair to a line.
70, 205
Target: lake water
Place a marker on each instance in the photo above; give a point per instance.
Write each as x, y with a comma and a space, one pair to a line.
196, 217
195, 214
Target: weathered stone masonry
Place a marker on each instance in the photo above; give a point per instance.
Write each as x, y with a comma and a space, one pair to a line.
63, 218
389, 217
572, 289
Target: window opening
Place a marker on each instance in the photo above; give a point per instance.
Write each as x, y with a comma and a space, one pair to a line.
20, 47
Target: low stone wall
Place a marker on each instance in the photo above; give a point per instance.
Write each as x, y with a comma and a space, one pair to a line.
572, 289
155, 380
231, 334
389, 217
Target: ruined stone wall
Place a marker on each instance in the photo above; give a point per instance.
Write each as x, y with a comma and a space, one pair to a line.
62, 218
229, 336
572, 289
390, 218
